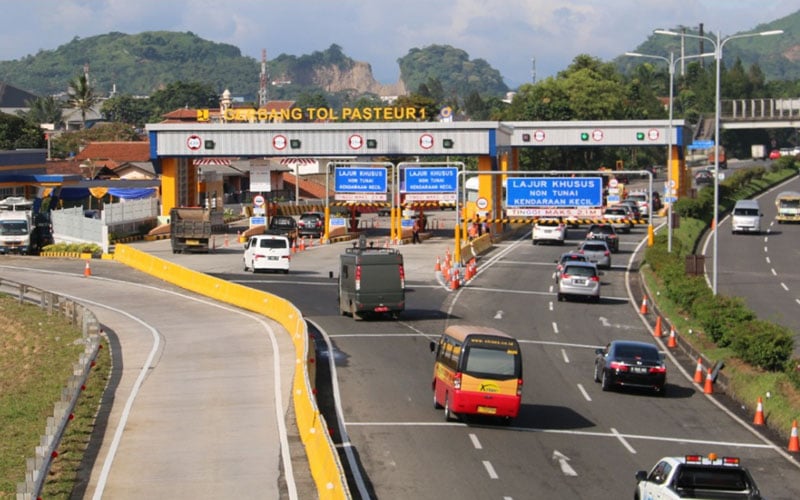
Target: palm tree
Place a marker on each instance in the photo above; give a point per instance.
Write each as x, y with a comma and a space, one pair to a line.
44, 110
81, 96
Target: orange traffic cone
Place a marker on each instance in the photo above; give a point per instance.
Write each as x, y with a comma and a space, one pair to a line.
294, 246
759, 418
438, 265
794, 444
708, 388
87, 271
672, 342
302, 243
698, 373
657, 330
454, 280
227, 243
643, 309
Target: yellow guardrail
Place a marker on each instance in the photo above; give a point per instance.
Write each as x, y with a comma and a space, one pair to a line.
326, 469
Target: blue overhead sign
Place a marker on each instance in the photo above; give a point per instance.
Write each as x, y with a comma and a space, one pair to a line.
554, 192
701, 145
429, 180
360, 180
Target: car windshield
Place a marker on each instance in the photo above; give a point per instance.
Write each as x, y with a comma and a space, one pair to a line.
13, 227
273, 243
601, 230
573, 257
593, 247
637, 353
585, 271
616, 211
746, 211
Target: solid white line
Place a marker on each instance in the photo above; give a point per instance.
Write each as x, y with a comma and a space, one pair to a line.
337, 398
583, 391
555, 327
622, 440
489, 469
550, 342
475, 442
564, 355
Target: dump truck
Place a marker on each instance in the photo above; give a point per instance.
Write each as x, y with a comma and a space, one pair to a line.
190, 229
723, 160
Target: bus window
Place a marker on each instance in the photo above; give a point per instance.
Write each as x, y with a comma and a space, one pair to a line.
490, 362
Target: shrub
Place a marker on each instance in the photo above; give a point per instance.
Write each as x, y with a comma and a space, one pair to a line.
762, 344
719, 315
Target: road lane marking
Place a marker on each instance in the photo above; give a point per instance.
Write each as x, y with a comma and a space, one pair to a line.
498, 315
550, 305
489, 469
583, 391
555, 327
773, 272
564, 355
768, 261
622, 440
563, 462
475, 442
784, 286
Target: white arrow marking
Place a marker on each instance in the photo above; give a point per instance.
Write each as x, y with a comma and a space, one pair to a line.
563, 461
607, 323
498, 315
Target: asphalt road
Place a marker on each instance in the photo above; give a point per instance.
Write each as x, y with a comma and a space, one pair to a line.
571, 439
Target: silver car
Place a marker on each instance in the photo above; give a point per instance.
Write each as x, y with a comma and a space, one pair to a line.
579, 279
597, 252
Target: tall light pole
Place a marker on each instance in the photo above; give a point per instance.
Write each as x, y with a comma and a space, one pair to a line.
718, 43
671, 63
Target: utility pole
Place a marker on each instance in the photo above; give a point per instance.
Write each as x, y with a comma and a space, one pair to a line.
533, 70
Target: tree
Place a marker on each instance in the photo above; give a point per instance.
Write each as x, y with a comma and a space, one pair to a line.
44, 110
127, 109
178, 95
81, 96
17, 133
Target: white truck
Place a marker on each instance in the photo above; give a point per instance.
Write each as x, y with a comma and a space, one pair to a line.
758, 152
696, 477
15, 232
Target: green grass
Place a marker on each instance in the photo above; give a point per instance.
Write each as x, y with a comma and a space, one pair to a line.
37, 352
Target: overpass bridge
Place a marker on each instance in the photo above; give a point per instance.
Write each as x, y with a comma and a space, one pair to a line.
759, 113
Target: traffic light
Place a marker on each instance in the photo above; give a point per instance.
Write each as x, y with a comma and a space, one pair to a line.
639, 136
295, 143
209, 144
526, 137
447, 143
584, 136
372, 144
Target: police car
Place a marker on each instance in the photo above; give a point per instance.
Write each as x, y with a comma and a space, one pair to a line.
696, 476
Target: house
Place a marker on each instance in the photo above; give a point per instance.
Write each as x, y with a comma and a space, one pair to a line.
13, 100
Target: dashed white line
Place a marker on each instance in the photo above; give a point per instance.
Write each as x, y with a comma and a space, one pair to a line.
765, 249
773, 272
768, 261
564, 355
550, 305
797, 300
585, 394
490, 469
475, 442
555, 327
622, 440
784, 286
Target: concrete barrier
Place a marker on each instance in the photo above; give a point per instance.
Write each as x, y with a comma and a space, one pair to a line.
326, 469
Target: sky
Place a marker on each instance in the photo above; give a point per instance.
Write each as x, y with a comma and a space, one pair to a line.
525, 40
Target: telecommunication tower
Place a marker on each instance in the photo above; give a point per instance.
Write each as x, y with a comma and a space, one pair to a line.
262, 87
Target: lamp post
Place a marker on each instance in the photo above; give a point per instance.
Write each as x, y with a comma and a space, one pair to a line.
671, 62
718, 44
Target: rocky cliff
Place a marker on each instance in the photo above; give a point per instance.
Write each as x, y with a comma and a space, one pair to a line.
358, 77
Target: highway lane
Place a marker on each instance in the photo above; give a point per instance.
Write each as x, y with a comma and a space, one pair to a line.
192, 408
571, 437
762, 269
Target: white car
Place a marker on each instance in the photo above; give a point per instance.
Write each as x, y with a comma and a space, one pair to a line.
267, 251
619, 217
549, 229
642, 200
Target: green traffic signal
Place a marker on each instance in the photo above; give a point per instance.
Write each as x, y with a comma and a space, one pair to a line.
639, 136
584, 136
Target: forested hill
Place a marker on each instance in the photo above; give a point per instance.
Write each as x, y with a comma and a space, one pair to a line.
142, 63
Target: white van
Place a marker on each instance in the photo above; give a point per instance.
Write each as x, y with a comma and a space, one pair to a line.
746, 217
267, 251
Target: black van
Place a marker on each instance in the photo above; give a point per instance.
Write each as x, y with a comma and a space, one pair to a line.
371, 281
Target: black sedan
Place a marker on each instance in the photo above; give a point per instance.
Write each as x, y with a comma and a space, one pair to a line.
629, 363
704, 176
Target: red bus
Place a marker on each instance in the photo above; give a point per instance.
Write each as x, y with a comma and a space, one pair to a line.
478, 371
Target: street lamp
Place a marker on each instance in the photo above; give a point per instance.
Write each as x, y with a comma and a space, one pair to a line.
671, 62
718, 44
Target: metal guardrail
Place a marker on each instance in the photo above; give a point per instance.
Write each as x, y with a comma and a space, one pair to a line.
39, 465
